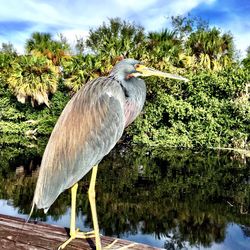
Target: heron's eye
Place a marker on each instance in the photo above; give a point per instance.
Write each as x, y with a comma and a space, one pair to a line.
137, 66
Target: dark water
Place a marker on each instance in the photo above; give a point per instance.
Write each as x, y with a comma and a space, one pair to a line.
166, 198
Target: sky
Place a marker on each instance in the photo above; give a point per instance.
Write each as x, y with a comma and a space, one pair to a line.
74, 18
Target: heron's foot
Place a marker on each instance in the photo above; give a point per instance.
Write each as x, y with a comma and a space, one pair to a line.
77, 235
82, 235
86, 235
112, 246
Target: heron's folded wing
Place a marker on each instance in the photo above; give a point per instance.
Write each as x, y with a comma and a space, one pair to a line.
88, 128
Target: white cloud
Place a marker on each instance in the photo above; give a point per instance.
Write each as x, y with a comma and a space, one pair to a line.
181, 7
74, 34
31, 11
138, 5
79, 13
240, 29
242, 42
74, 18
157, 17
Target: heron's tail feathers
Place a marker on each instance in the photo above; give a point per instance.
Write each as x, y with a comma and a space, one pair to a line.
31, 212
26, 221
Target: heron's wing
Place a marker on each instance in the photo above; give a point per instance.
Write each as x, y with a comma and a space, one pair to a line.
88, 128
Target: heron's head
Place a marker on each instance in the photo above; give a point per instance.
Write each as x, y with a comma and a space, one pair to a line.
128, 68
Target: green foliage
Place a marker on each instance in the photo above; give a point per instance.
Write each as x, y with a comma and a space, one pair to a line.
165, 46
7, 55
23, 119
80, 46
246, 61
205, 47
185, 25
210, 42
81, 69
44, 44
116, 38
211, 110
33, 76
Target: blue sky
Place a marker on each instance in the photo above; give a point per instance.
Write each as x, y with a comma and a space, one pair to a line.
73, 18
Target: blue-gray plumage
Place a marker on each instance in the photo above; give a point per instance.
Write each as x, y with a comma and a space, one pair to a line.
88, 128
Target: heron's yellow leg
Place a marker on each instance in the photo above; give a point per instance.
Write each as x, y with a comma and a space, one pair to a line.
92, 202
74, 233
73, 210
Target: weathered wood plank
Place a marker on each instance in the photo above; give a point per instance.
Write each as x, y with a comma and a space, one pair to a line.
41, 236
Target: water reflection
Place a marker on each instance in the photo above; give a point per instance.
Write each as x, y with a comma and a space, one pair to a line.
167, 198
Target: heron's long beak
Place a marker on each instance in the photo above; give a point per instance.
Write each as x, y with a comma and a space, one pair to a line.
145, 71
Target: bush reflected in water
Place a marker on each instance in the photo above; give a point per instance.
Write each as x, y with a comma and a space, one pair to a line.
179, 194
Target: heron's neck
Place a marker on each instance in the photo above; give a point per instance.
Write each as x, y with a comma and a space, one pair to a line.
135, 95
134, 88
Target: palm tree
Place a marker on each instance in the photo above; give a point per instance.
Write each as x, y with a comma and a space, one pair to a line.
246, 60
116, 38
211, 48
33, 76
38, 41
42, 43
7, 55
82, 68
164, 45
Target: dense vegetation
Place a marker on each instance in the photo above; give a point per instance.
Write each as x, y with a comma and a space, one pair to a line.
211, 110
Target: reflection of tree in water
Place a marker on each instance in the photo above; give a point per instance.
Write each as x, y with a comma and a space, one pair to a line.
245, 230
181, 195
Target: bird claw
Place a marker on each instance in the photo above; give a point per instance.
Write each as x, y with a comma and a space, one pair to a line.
84, 235
110, 246
77, 234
